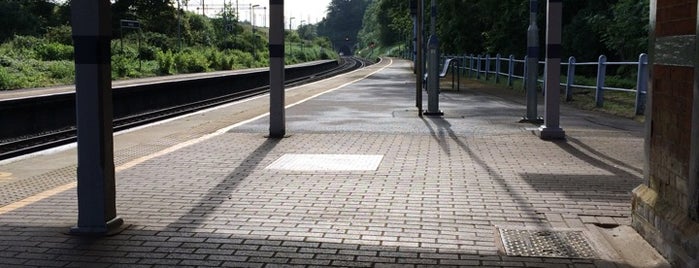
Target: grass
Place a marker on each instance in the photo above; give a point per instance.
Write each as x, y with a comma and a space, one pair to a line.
28, 62
616, 103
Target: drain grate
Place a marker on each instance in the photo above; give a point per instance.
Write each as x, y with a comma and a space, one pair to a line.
538, 243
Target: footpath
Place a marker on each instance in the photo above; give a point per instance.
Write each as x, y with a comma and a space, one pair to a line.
362, 181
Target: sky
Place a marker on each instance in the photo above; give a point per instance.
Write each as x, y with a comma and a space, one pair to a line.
302, 10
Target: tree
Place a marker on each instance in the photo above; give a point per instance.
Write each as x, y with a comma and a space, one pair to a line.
158, 16
625, 29
24, 17
308, 31
343, 21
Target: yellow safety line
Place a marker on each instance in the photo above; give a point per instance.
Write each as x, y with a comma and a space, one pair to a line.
48, 193
36, 198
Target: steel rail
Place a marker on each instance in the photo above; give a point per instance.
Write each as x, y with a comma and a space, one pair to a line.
41, 141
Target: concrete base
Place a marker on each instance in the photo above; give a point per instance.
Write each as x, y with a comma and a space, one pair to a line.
550, 133
536, 121
112, 227
665, 227
437, 113
623, 245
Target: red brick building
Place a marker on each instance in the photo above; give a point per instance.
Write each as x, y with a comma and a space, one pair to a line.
666, 207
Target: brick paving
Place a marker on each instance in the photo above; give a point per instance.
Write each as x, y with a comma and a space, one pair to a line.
442, 187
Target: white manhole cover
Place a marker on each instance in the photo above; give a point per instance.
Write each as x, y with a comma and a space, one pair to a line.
327, 162
538, 243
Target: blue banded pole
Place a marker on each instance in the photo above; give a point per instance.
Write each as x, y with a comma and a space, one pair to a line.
277, 119
419, 60
91, 28
433, 73
532, 62
551, 129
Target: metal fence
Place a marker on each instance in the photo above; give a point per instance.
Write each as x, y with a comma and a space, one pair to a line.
482, 66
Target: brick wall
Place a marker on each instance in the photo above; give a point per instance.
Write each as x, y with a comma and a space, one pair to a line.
675, 17
672, 108
661, 208
670, 135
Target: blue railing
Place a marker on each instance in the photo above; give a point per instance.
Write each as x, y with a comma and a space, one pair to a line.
482, 66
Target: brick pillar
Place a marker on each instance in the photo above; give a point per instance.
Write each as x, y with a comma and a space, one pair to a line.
665, 206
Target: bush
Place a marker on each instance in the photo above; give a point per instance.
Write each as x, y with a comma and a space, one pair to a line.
6, 81
60, 34
161, 41
148, 52
21, 47
62, 70
5, 61
190, 62
240, 59
166, 62
53, 51
122, 66
24, 42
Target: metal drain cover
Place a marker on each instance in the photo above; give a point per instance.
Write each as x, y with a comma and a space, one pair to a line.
327, 162
544, 243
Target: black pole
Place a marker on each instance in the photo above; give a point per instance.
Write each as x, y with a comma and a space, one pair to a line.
91, 25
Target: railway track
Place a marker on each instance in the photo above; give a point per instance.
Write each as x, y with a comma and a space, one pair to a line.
17, 146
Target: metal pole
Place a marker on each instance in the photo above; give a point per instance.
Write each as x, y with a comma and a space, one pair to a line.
419, 65
303, 43
532, 67
433, 65
551, 129
601, 72
570, 78
641, 84
91, 23
277, 119
179, 26
254, 37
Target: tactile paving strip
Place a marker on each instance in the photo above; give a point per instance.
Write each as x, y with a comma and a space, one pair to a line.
326, 162
536, 243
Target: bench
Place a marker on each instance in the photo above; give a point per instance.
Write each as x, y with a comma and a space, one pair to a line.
449, 62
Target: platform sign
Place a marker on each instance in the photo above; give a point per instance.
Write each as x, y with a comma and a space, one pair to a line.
130, 24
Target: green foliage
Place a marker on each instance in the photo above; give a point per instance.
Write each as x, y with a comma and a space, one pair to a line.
123, 66
16, 19
343, 21
166, 62
41, 52
6, 81
625, 29
241, 59
59, 34
189, 61
615, 28
146, 52
61, 71
218, 60
159, 40
21, 47
53, 51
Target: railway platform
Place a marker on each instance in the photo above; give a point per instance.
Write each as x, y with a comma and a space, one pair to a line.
360, 181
